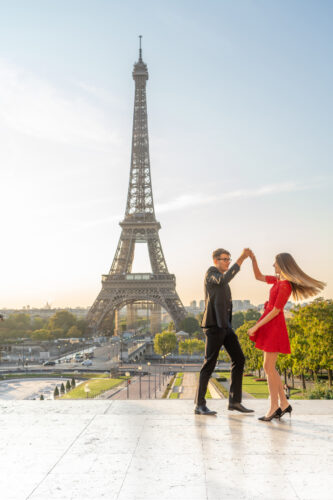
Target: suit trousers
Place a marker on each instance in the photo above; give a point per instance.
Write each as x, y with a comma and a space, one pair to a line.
215, 339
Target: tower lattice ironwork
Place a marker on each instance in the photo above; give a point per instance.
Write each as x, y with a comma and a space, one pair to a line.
122, 287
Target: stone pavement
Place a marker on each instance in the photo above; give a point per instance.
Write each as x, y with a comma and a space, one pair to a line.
159, 449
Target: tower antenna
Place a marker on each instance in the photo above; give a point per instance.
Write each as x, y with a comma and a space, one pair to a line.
140, 49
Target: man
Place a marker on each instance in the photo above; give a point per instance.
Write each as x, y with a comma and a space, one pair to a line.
216, 324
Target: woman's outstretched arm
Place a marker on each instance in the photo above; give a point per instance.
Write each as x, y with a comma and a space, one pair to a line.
258, 275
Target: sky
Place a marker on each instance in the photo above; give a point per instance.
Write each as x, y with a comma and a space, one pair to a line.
240, 124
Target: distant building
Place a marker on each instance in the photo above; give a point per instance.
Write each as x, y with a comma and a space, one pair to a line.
193, 304
242, 305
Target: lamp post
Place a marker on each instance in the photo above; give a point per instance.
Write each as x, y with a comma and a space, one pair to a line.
149, 378
87, 389
155, 379
127, 374
140, 368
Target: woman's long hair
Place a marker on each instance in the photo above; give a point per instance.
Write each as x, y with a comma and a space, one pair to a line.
303, 286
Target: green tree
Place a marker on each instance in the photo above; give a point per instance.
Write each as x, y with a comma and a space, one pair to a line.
189, 325
57, 333
299, 346
62, 388
253, 356
83, 326
62, 319
74, 332
315, 322
199, 317
171, 327
41, 397
68, 386
199, 335
191, 346
237, 319
73, 383
38, 323
252, 315
165, 342
42, 334
56, 392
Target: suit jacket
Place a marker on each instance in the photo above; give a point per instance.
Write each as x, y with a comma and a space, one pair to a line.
218, 303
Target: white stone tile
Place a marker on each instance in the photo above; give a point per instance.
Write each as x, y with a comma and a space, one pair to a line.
312, 486
160, 449
246, 486
168, 477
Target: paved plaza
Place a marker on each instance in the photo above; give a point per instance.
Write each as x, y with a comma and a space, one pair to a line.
159, 449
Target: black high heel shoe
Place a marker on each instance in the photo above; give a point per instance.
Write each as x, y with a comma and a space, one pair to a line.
286, 410
276, 414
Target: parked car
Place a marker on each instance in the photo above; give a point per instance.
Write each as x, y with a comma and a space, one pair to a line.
49, 363
86, 362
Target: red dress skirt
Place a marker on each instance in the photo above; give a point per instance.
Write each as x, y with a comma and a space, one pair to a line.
273, 336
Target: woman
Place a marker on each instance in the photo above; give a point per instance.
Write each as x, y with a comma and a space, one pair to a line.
270, 332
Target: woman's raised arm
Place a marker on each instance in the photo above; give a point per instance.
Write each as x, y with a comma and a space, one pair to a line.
256, 271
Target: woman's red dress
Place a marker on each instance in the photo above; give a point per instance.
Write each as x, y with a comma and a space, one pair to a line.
273, 336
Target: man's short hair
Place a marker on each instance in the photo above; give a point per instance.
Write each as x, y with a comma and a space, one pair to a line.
219, 252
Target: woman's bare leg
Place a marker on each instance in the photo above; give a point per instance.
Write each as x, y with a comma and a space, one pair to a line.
272, 379
284, 403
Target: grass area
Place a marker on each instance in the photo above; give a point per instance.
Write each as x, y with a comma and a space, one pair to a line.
208, 394
258, 390
83, 375
96, 386
168, 387
179, 379
220, 387
174, 395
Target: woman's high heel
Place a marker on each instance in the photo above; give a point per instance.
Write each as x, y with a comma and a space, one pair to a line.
286, 410
276, 414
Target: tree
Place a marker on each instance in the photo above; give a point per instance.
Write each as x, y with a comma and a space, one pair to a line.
41, 334
299, 347
68, 386
62, 388
62, 319
74, 332
41, 397
165, 342
57, 333
199, 335
171, 327
73, 383
83, 326
189, 325
191, 346
237, 319
252, 315
56, 392
315, 324
253, 356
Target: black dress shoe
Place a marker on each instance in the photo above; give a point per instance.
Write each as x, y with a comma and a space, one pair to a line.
203, 410
239, 407
276, 414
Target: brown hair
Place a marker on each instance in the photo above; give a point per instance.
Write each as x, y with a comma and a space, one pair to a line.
219, 252
303, 286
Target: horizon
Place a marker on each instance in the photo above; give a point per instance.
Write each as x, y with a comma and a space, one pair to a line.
240, 125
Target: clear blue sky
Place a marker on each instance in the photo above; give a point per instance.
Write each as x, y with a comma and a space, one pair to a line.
240, 120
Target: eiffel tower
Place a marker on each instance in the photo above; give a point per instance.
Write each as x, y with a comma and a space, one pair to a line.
122, 287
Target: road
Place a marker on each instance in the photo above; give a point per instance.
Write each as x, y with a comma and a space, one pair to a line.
151, 387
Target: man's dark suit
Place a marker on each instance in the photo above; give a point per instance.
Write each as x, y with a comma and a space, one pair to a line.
216, 324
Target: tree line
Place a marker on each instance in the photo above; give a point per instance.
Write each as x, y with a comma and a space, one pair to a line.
61, 325
310, 332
